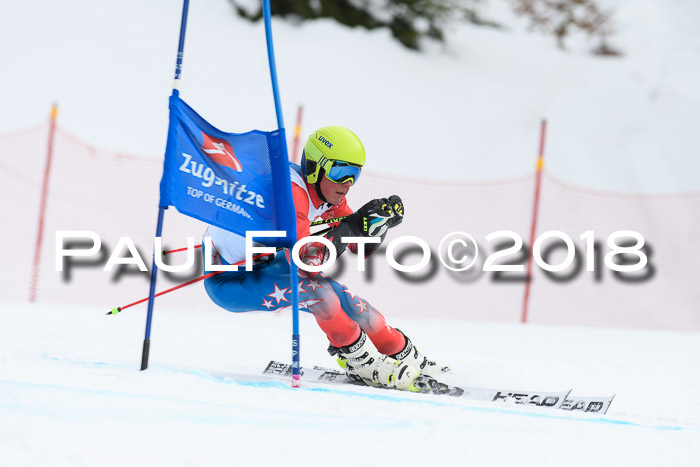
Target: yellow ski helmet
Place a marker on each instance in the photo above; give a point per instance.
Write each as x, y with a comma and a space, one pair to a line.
335, 150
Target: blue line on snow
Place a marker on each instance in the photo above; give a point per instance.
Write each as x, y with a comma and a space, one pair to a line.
390, 398
381, 397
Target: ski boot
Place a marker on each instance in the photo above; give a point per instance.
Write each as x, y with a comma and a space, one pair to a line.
362, 359
420, 363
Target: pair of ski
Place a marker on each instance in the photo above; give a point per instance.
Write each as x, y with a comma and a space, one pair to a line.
429, 385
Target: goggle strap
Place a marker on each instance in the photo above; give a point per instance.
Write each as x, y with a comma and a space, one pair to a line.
325, 163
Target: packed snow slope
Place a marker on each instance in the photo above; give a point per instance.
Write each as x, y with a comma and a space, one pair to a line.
468, 110
72, 395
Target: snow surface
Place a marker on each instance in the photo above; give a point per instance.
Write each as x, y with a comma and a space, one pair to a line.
72, 395
472, 108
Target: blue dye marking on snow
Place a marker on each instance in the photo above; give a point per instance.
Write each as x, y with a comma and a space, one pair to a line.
497, 410
369, 395
392, 398
276, 384
75, 361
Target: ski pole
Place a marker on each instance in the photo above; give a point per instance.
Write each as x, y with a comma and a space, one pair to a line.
179, 249
117, 309
327, 221
338, 219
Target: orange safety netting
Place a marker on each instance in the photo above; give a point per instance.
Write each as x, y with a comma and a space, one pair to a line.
116, 195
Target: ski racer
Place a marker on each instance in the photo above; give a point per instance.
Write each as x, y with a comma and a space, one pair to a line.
365, 345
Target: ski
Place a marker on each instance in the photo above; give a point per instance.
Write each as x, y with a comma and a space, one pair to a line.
427, 384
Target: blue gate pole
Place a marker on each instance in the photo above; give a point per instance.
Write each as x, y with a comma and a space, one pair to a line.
292, 266
151, 293
161, 209
180, 47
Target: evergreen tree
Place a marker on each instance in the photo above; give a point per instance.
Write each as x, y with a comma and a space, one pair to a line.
561, 17
410, 21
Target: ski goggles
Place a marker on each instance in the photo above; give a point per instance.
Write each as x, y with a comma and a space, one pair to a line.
341, 172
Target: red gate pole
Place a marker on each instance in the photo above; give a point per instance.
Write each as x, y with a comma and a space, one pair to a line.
42, 208
533, 225
297, 132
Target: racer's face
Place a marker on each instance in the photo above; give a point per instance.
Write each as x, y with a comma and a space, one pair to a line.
334, 192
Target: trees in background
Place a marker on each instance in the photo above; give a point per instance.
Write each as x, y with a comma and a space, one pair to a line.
411, 21
562, 17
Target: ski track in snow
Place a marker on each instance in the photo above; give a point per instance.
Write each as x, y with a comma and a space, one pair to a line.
72, 395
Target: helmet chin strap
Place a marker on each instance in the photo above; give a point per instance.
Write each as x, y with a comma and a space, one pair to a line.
317, 187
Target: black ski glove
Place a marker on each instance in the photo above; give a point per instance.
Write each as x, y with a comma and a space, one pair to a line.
372, 219
396, 206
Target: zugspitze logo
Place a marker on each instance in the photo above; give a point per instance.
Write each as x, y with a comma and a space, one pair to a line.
221, 152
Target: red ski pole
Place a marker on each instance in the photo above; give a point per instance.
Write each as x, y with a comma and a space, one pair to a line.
179, 249
117, 309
